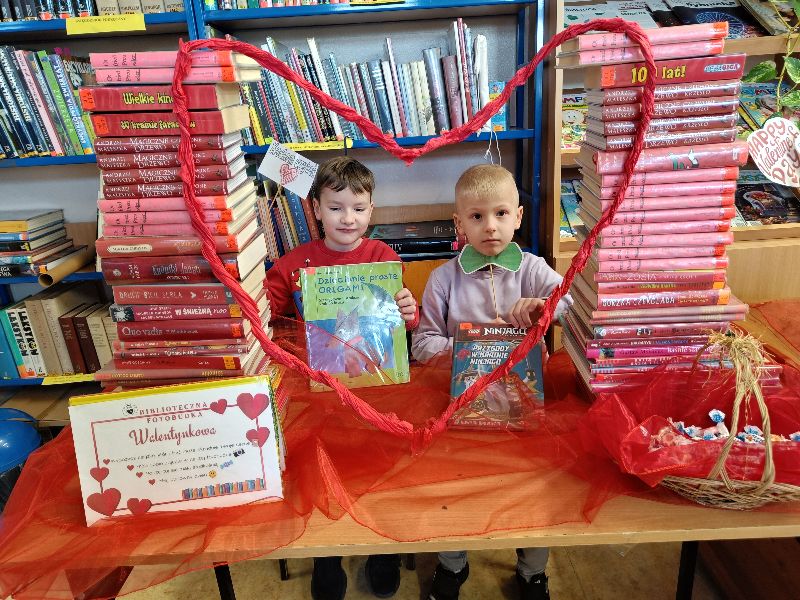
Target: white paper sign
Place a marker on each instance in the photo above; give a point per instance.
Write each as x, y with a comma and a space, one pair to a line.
285, 166
774, 149
199, 445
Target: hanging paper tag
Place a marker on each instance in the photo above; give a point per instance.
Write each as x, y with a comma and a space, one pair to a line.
105, 24
774, 149
285, 166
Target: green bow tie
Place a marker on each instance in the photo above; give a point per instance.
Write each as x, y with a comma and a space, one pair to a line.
470, 260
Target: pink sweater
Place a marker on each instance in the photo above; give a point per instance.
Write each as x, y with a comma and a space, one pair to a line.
451, 297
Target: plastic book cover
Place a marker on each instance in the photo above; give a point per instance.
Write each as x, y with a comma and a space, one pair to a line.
510, 403
573, 120
500, 118
354, 330
569, 210
761, 202
759, 101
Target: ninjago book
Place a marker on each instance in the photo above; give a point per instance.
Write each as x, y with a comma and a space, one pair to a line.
509, 403
353, 327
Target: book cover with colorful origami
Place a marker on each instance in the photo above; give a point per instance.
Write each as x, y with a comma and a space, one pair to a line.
354, 330
509, 403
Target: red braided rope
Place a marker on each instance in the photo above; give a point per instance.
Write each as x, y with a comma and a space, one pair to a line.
390, 423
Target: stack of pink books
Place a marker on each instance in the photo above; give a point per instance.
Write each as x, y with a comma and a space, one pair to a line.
656, 282
175, 321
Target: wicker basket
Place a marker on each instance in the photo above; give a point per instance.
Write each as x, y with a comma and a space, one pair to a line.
718, 489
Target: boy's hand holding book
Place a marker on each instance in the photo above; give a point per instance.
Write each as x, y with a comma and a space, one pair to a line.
406, 304
525, 312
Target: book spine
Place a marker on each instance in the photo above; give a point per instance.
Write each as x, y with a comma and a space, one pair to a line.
36, 333
652, 360
146, 270
663, 299
697, 276
16, 341
172, 294
158, 58
359, 90
369, 95
323, 83
680, 91
451, 85
669, 203
298, 216
167, 143
170, 345
182, 330
601, 354
401, 105
69, 99
151, 160
729, 66
331, 123
665, 264
663, 140
436, 89
204, 74
660, 252
381, 98
665, 228
235, 350
676, 159
469, 56
14, 102
311, 108
161, 246
167, 229
422, 119
692, 107
164, 190
43, 119
48, 97
121, 124
625, 287
409, 100
60, 103
427, 107
161, 312
629, 343
703, 123
72, 345
657, 331
34, 120
631, 54
397, 126
339, 87
164, 174
719, 191
212, 217
159, 204
226, 363
714, 214
255, 118
99, 340
651, 178
686, 33
311, 219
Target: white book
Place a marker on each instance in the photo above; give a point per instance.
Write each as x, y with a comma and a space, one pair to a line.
426, 97
323, 82
482, 76
422, 121
411, 104
387, 76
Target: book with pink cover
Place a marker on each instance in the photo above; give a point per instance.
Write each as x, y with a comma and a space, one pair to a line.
187, 447
663, 139
659, 203
666, 92
167, 58
657, 228
651, 178
203, 74
632, 54
658, 36
663, 124
695, 189
712, 275
604, 254
691, 107
678, 158
665, 264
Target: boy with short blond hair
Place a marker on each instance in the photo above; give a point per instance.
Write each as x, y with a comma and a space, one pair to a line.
342, 201
491, 280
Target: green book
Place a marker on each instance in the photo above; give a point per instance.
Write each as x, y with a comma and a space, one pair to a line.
354, 330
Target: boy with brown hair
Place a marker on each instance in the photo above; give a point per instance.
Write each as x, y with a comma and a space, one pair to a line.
491, 280
342, 200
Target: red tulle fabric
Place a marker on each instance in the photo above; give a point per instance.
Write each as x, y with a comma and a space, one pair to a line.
421, 435
623, 425
782, 318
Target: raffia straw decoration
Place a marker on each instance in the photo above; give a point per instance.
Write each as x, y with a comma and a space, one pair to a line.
748, 357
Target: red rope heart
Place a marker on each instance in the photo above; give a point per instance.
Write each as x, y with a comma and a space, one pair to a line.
390, 423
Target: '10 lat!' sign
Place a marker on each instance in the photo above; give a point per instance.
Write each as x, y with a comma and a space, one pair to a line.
774, 149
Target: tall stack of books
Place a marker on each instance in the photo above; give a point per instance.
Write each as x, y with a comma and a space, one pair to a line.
655, 284
175, 322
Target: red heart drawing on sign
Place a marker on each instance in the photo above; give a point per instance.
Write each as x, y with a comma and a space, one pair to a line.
151, 481
258, 436
288, 174
98, 474
252, 406
139, 474
105, 503
130, 467
106, 461
139, 507
219, 406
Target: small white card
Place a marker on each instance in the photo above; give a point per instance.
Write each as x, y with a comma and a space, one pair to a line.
285, 166
184, 447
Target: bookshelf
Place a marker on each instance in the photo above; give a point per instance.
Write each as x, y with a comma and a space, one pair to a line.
759, 255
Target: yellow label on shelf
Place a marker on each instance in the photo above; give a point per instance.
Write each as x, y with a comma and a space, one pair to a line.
61, 379
105, 24
309, 146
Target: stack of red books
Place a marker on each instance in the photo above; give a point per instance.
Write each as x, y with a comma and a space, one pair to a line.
655, 285
175, 322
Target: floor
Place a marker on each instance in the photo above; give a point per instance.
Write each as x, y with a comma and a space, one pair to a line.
646, 571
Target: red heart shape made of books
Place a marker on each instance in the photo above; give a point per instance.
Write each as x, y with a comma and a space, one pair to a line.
98, 474
258, 436
139, 507
104, 502
251, 405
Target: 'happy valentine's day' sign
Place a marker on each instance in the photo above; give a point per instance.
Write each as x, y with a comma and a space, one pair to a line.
198, 445
774, 149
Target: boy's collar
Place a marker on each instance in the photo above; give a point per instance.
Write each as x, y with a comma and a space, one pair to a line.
470, 260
